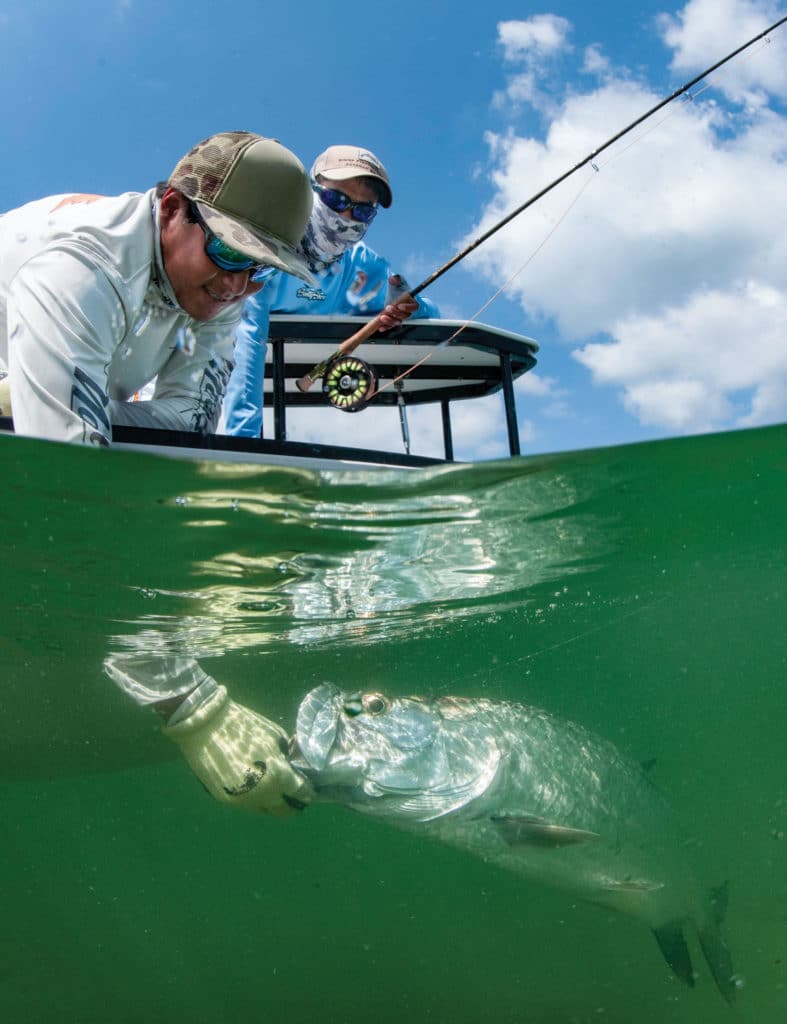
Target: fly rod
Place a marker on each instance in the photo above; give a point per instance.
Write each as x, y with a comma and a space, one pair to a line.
370, 328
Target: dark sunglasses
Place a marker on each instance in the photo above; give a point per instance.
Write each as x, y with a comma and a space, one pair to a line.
339, 202
221, 254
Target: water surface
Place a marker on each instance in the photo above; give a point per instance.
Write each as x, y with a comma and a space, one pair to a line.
638, 590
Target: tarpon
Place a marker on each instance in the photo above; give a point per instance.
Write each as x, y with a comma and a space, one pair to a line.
521, 788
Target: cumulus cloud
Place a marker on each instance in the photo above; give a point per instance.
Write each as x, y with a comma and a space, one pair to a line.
377, 426
595, 63
704, 30
534, 385
542, 34
662, 263
532, 46
719, 359
475, 426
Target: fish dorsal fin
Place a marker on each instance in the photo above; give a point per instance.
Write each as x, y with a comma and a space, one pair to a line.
522, 829
426, 804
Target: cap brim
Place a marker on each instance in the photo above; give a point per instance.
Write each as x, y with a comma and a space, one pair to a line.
258, 245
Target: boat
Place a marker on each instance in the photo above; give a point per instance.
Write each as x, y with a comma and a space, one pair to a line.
456, 361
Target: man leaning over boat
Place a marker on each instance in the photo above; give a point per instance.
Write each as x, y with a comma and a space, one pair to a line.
101, 294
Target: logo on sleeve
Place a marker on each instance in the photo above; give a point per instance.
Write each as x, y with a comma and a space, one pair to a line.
89, 402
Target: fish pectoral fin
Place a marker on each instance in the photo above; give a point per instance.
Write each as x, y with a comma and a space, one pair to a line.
527, 829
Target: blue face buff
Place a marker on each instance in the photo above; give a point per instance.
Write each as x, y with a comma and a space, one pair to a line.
329, 235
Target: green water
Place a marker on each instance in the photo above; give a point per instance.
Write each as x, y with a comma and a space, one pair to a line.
638, 590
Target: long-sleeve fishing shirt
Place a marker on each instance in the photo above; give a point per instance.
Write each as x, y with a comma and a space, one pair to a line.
356, 284
88, 316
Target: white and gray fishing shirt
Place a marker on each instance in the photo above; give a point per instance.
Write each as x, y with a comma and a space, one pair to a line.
88, 317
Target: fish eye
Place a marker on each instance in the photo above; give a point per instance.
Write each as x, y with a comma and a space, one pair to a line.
374, 703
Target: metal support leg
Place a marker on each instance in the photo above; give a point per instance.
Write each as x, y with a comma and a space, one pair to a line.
277, 380
403, 417
448, 441
507, 380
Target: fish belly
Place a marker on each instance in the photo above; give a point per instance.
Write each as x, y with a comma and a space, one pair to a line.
627, 857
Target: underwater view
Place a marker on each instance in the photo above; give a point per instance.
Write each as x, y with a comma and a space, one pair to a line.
638, 591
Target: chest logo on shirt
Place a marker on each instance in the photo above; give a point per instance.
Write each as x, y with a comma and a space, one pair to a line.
312, 294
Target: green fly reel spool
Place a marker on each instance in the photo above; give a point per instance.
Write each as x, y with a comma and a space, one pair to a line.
348, 383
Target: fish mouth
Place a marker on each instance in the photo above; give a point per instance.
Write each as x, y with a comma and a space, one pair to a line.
316, 727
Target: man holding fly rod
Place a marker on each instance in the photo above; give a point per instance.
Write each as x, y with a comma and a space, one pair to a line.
350, 185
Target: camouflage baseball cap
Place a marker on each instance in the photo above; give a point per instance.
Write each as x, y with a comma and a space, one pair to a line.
253, 193
342, 162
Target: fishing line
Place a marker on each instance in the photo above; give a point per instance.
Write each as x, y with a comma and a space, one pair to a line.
448, 341
639, 610
348, 346
689, 97
597, 167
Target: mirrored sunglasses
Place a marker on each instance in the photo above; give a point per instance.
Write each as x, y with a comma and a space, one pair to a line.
337, 201
223, 255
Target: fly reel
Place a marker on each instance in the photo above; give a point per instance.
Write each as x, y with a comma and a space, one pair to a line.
348, 383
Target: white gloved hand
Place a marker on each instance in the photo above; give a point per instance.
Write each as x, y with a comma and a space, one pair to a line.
239, 756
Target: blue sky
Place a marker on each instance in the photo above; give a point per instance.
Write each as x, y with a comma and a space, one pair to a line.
654, 286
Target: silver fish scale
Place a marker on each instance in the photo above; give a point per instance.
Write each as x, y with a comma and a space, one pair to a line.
495, 777
520, 788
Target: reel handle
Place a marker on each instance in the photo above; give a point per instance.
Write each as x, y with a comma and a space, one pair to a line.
346, 347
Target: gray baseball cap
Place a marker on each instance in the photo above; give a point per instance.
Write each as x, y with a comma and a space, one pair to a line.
341, 162
253, 193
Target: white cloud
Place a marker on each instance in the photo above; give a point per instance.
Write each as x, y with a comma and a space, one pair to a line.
474, 427
534, 385
520, 89
595, 62
704, 31
536, 44
543, 34
376, 427
665, 267
719, 359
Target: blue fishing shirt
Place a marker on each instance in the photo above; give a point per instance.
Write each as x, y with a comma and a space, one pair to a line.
356, 284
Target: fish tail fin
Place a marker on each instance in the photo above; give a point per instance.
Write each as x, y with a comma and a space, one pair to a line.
713, 945
672, 943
